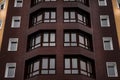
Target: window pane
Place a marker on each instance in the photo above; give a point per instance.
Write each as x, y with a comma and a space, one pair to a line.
81, 39
104, 22
53, 15
51, 71
80, 17
52, 63
67, 71
72, 15
89, 67
107, 45
39, 18
52, 37
45, 37
111, 70
44, 63
74, 63
36, 66
66, 15
73, 35
74, 71
67, 63
13, 46
11, 71
44, 71
67, 37
83, 65
47, 15
38, 39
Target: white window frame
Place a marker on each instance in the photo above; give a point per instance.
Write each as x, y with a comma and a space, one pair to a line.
111, 43
113, 64
107, 20
16, 4
17, 18
102, 3
14, 40
8, 65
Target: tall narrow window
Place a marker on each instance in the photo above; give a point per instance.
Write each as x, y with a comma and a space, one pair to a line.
16, 20
40, 65
107, 43
10, 70
104, 20
13, 44
18, 3
112, 69
102, 2
77, 65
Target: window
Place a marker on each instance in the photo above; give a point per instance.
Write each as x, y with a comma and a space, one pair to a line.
78, 38
10, 70
16, 20
40, 65
76, 15
104, 19
112, 69
35, 2
107, 42
18, 3
77, 65
2, 5
0, 24
118, 3
102, 2
42, 38
85, 2
43, 16
13, 44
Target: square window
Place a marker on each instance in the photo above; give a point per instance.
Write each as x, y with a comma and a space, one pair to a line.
18, 3
13, 44
107, 43
112, 69
10, 70
104, 20
16, 20
102, 2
